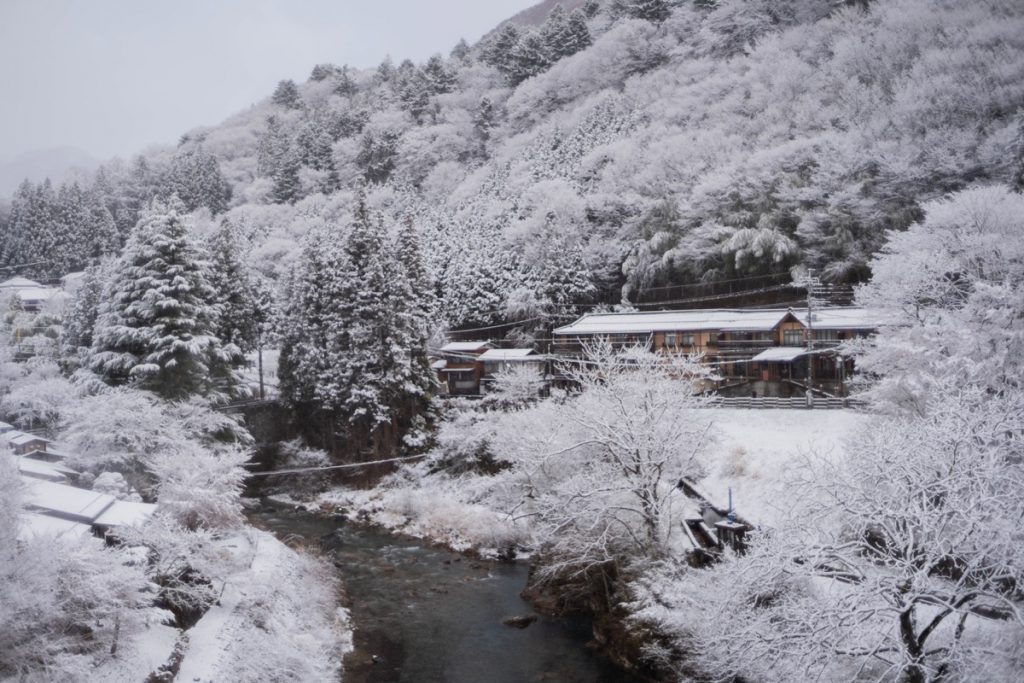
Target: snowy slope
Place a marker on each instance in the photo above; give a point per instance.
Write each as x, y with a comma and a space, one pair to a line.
276, 614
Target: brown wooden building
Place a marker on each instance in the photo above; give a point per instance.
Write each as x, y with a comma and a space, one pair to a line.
765, 352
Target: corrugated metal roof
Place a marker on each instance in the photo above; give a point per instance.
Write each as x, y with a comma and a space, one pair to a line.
465, 346
726, 320
507, 354
780, 354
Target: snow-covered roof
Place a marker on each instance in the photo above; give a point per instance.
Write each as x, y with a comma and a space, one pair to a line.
780, 354
34, 525
726, 320
15, 438
465, 346
37, 469
507, 355
439, 364
19, 283
5, 427
68, 502
123, 513
35, 293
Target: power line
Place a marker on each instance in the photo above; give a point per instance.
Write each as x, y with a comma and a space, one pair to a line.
301, 470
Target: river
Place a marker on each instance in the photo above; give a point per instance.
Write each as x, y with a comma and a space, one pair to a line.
424, 614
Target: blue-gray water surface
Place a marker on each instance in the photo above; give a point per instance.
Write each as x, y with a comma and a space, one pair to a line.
424, 614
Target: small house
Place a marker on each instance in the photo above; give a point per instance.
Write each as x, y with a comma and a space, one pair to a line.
21, 443
459, 370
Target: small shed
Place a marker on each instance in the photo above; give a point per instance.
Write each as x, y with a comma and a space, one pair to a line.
461, 370
21, 443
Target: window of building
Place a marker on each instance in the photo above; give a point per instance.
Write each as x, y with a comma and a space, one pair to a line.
827, 335
670, 339
793, 337
686, 339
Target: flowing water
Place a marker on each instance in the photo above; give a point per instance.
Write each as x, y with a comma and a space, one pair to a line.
423, 614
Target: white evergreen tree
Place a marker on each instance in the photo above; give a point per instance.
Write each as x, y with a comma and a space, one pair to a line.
156, 325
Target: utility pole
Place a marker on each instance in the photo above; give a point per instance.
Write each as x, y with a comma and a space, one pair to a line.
811, 283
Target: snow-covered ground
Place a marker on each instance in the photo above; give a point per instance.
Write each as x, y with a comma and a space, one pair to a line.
757, 452
277, 619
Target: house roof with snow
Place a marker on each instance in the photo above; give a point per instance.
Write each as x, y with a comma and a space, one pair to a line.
468, 346
19, 283
5, 427
495, 355
34, 525
780, 354
15, 438
37, 469
35, 294
66, 502
725, 320
124, 513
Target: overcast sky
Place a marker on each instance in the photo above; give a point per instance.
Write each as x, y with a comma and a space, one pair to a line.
112, 76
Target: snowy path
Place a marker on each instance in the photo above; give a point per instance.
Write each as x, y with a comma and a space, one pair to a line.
277, 619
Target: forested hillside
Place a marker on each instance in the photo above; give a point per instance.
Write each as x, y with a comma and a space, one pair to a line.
615, 147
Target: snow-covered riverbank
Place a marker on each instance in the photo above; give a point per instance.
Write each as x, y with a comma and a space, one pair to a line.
277, 619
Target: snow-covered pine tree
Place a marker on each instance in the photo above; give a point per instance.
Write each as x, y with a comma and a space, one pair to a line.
287, 186
529, 57
286, 95
33, 239
155, 328
377, 153
440, 79
497, 51
194, 176
346, 87
101, 236
313, 369
80, 320
391, 379
271, 147
655, 11
461, 51
238, 313
423, 288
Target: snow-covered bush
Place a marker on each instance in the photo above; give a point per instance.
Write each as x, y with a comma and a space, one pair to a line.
201, 488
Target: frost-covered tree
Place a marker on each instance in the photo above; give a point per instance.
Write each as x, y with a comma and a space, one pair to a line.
155, 328
194, 176
80, 319
272, 147
67, 605
287, 185
286, 95
899, 563
650, 10
198, 488
950, 290
603, 465
497, 51
238, 308
377, 154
